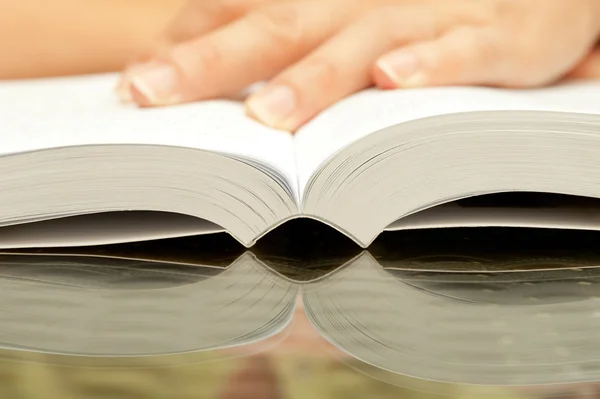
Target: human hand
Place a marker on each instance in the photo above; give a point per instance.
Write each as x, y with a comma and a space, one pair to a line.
315, 52
588, 68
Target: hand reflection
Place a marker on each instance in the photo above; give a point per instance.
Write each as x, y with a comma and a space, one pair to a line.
299, 338
256, 377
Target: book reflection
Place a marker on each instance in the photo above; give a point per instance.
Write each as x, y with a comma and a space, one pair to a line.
458, 313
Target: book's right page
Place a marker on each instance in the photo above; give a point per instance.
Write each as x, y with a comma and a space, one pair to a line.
372, 110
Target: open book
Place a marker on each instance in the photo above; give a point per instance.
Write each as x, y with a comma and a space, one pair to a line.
74, 157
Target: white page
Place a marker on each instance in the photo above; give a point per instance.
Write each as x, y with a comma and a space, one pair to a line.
47, 113
104, 228
373, 110
452, 215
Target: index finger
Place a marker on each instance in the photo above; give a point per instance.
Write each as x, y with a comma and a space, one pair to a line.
229, 59
194, 19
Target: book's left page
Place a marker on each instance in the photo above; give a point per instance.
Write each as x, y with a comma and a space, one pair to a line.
72, 152
84, 110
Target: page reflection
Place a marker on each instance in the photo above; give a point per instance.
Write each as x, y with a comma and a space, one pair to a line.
249, 330
95, 306
458, 327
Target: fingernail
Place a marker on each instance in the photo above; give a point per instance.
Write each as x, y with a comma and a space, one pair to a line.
273, 106
155, 84
402, 67
122, 89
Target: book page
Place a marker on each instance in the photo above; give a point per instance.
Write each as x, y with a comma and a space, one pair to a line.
453, 215
103, 228
372, 110
56, 112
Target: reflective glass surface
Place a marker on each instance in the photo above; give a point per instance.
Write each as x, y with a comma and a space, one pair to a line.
459, 313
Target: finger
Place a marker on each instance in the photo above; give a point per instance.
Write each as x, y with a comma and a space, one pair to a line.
229, 59
340, 67
196, 18
201, 16
588, 68
464, 55
471, 55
